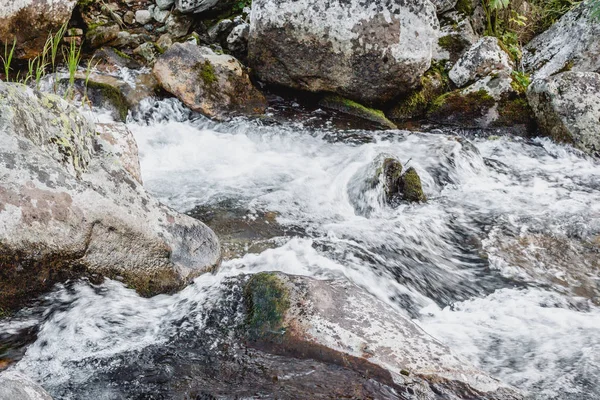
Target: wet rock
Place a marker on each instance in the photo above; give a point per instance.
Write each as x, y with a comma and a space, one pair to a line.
70, 208
572, 44
17, 386
102, 35
241, 231
216, 85
482, 59
366, 51
353, 108
412, 190
336, 322
29, 22
567, 108
110, 60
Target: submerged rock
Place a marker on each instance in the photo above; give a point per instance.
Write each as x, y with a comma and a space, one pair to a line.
337, 322
71, 207
482, 59
17, 386
366, 51
353, 108
216, 85
567, 108
30, 21
411, 187
571, 44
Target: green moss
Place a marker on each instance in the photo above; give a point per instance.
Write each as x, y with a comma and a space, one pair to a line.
433, 84
121, 54
461, 106
567, 67
267, 301
411, 186
451, 43
515, 111
111, 94
4, 313
346, 106
465, 7
520, 82
207, 73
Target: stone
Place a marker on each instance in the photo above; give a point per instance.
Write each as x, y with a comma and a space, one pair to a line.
443, 6
218, 33
411, 188
216, 85
482, 59
415, 104
178, 25
567, 108
164, 4
102, 35
70, 207
117, 141
125, 39
494, 101
199, 6
110, 60
353, 108
129, 18
337, 322
160, 16
30, 21
237, 41
456, 36
143, 17
571, 44
369, 52
17, 386
147, 51
164, 42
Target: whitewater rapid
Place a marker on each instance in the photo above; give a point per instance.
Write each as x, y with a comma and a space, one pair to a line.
466, 265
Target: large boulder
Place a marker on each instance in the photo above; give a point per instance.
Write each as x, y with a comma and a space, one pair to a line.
482, 59
30, 21
366, 51
199, 6
17, 386
572, 44
443, 6
567, 108
216, 85
71, 204
337, 322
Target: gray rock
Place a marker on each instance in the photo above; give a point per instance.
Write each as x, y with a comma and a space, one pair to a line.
339, 322
216, 85
567, 108
29, 21
71, 205
444, 5
178, 25
17, 386
160, 16
237, 41
129, 18
143, 17
102, 35
572, 44
164, 42
482, 59
456, 36
366, 51
147, 51
199, 6
164, 4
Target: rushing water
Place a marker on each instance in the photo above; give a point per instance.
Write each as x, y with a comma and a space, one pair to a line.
501, 263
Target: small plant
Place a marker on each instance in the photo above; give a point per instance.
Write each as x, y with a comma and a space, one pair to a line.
595, 9
72, 58
7, 59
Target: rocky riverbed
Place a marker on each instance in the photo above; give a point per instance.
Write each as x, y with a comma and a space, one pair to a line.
298, 199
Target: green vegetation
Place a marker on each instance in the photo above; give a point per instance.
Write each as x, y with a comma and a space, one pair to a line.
520, 82
207, 73
347, 106
267, 301
411, 186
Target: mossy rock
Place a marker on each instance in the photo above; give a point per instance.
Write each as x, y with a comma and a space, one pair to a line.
461, 107
105, 92
392, 171
346, 106
207, 73
465, 7
515, 110
433, 84
267, 301
412, 190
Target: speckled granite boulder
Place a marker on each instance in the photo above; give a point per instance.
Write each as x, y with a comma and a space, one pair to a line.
572, 44
366, 51
567, 108
16, 386
70, 205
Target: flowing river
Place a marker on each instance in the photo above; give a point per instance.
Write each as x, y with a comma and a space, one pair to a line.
501, 264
